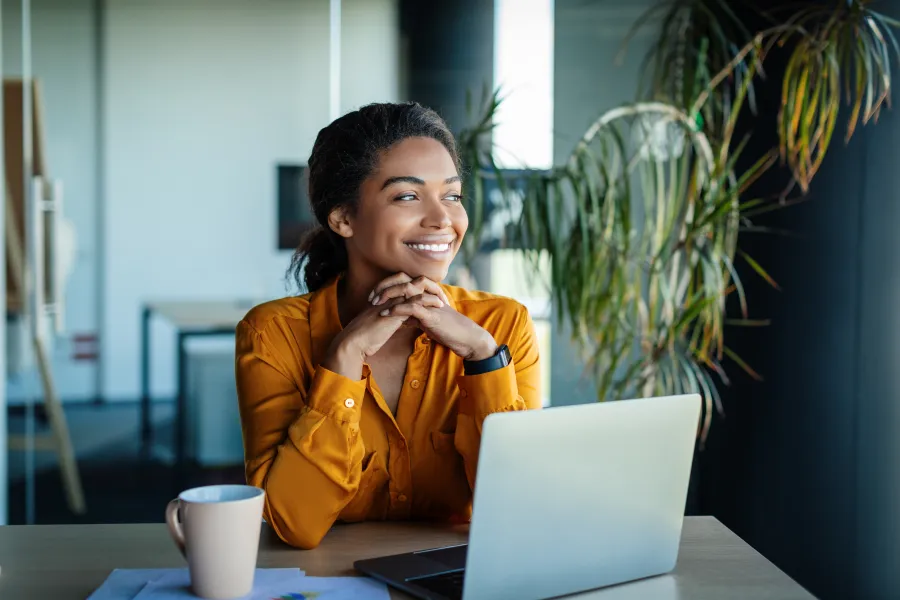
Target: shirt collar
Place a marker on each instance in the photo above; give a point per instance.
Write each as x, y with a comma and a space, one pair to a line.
324, 320
448, 292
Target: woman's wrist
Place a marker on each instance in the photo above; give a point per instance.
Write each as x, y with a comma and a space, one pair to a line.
344, 358
484, 348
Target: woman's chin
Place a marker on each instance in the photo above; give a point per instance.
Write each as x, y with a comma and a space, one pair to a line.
436, 273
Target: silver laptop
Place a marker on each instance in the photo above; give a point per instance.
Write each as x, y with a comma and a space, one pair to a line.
566, 500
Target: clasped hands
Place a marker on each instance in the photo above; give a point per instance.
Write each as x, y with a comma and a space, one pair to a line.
394, 301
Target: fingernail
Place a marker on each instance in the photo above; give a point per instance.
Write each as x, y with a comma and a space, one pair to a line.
376, 300
372, 293
385, 312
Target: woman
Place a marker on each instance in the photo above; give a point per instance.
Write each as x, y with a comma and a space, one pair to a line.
364, 399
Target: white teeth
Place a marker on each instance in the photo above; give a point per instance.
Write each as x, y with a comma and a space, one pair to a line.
430, 247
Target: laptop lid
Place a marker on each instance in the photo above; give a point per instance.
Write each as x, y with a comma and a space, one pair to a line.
579, 497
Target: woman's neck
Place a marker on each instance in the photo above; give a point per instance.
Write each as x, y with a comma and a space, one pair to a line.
353, 298
353, 292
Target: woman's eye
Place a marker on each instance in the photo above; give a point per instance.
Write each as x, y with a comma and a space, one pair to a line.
454, 197
406, 197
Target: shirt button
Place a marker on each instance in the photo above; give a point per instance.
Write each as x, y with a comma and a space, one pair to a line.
349, 402
402, 497
414, 384
464, 393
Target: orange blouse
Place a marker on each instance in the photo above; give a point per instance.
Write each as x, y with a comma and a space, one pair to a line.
327, 448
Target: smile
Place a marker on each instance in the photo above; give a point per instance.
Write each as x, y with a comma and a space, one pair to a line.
430, 247
433, 251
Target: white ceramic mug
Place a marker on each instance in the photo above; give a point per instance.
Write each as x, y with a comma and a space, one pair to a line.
217, 528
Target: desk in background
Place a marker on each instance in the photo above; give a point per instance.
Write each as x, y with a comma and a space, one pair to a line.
70, 561
191, 319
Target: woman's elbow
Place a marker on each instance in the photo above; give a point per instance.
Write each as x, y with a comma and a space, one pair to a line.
298, 539
305, 536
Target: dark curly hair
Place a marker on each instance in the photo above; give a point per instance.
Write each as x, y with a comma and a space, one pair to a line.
344, 155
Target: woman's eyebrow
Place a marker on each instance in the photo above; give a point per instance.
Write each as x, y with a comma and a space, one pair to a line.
414, 180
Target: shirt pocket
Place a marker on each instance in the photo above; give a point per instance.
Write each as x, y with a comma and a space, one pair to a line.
443, 442
448, 495
371, 482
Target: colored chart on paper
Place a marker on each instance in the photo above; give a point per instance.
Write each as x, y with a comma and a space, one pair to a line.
324, 588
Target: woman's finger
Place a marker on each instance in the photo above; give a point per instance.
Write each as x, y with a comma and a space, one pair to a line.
426, 301
400, 290
409, 309
411, 288
429, 300
387, 282
387, 304
431, 287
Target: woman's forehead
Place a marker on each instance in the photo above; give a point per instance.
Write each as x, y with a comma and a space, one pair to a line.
422, 158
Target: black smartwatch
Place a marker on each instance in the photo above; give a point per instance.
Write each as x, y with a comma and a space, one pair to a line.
499, 360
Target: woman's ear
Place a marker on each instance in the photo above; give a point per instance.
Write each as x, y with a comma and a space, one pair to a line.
339, 222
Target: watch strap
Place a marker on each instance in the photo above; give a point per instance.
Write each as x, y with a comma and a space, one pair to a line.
500, 359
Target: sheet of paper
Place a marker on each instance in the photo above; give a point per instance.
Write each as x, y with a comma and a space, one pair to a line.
127, 584
324, 588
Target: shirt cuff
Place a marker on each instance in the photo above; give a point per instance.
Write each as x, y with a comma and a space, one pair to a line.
494, 391
336, 396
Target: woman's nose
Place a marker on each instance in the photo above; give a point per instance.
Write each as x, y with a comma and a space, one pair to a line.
436, 216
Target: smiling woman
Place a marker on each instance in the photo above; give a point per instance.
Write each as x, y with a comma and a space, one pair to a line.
412, 219
400, 158
364, 398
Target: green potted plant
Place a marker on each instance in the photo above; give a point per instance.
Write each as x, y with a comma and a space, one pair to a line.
641, 225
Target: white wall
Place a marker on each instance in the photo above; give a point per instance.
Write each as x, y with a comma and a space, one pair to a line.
64, 36
370, 53
202, 99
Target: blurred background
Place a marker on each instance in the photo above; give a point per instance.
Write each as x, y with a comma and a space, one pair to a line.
154, 155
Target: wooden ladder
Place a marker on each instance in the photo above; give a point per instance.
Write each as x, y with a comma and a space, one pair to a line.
18, 277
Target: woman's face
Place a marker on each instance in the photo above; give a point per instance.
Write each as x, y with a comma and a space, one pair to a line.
410, 218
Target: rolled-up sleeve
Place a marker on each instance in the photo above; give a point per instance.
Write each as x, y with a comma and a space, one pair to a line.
302, 446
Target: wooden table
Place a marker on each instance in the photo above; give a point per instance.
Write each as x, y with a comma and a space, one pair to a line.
69, 561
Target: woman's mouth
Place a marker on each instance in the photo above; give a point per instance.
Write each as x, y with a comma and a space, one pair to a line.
431, 251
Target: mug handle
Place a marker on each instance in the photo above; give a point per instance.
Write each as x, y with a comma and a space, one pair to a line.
175, 525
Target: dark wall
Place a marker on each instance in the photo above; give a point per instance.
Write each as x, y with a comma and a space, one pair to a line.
448, 49
805, 465
877, 397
